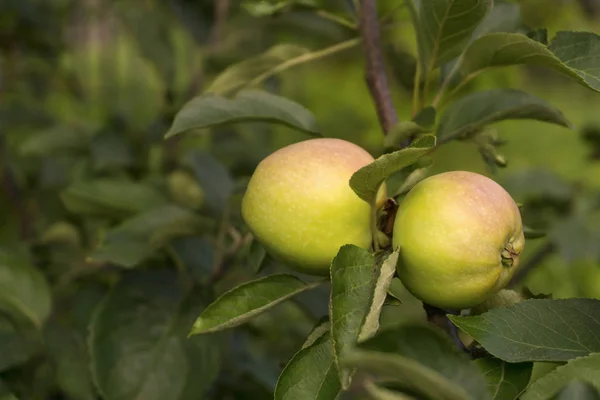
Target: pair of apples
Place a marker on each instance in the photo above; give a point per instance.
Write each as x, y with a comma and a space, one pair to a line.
460, 234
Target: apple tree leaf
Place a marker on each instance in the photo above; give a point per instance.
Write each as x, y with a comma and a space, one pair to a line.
384, 274
138, 341
210, 110
256, 69
574, 54
421, 359
311, 373
505, 381
447, 26
366, 181
586, 369
352, 276
24, 291
471, 113
243, 302
504, 17
578, 389
537, 329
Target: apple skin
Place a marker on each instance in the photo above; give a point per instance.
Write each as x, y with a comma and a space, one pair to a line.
300, 206
460, 236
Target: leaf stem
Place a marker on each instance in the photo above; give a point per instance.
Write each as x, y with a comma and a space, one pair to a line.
337, 19
416, 91
442, 90
306, 58
374, 229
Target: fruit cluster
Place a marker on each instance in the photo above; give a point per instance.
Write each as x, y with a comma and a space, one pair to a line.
459, 233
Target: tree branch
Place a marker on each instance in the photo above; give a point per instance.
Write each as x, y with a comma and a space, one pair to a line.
539, 256
375, 69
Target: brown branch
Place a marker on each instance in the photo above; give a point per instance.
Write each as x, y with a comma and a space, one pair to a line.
538, 257
375, 70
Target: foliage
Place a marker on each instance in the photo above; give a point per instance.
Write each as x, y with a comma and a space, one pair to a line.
128, 132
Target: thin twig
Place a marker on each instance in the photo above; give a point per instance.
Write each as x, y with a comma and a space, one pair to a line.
220, 17
375, 75
537, 258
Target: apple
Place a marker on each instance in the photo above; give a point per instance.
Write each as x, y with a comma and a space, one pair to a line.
300, 206
460, 236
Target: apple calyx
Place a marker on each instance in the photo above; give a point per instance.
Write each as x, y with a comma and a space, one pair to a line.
509, 254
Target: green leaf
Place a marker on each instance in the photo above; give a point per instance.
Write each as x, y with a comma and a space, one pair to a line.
366, 181
448, 25
256, 69
248, 106
196, 254
138, 342
139, 237
473, 112
65, 337
5, 393
24, 291
574, 54
579, 390
381, 283
61, 138
241, 303
420, 359
17, 346
504, 17
531, 233
402, 132
257, 256
311, 373
110, 197
586, 369
213, 176
505, 381
580, 51
537, 329
352, 277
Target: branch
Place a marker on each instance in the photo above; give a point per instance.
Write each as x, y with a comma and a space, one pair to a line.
540, 255
375, 74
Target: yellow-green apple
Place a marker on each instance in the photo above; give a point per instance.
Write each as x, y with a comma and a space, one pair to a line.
460, 237
300, 206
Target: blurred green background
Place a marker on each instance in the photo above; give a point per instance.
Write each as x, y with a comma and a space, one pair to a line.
88, 88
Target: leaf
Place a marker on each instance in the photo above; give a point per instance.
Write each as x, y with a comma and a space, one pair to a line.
110, 197
241, 303
248, 106
474, 111
505, 381
586, 369
137, 238
579, 390
352, 277
65, 337
319, 330
537, 329
196, 254
58, 139
311, 373
402, 132
381, 282
257, 256
241, 74
366, 181
420, 359
448, 25
213, 176
574, 54
16, 346
138, 342
531, 233
504, 17
24, 291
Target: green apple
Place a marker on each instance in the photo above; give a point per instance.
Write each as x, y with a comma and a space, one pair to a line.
300, 206
460, 237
